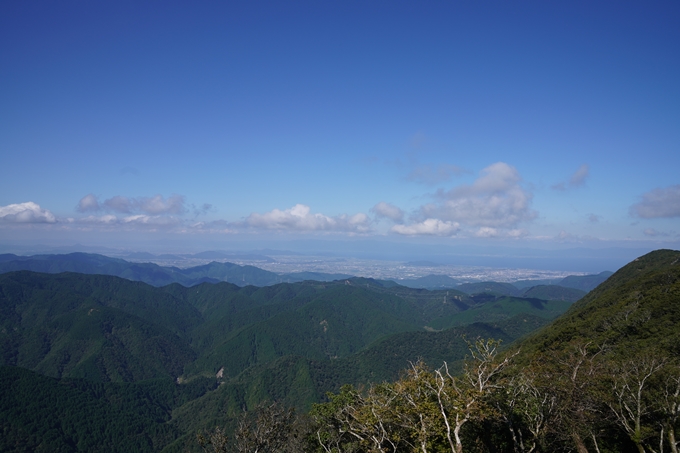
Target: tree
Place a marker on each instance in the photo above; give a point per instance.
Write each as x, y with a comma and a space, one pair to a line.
270, 428
631, 402
572, 377
423, 411
466, 398
526, 410
669, 405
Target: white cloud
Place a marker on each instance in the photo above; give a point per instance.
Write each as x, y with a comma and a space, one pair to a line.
516, 233
88, 203
158, 205
389, 211
131, 220
428, 174
488, 232
201, 210
156, 220
146, 205
496, 199
658, 203
28, 212
300, 218
428, 227
563, 236
652, 232
119, 204
577, 179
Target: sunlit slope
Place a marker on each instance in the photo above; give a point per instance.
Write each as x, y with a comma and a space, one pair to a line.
637, 308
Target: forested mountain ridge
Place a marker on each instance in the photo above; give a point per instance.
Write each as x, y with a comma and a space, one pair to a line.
78, 325
293, 342
153, 274
103, 328
604, 377
637, 307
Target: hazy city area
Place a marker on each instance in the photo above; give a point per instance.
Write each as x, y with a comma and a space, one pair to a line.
378, 269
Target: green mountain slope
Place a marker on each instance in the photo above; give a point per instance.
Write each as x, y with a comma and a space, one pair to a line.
290, 341
88, 263
336, 322
99, 327
43, 414
431, 281
585, 282
553, 292
298, 382
495, 288
604, 377
637, 307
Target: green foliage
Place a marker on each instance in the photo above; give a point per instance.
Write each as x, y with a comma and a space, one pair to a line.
431, 282
635, 309
553, 292
494, 288
293, 342
585, 282
38, 413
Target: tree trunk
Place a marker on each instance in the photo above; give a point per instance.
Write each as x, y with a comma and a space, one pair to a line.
580, 445
671, 439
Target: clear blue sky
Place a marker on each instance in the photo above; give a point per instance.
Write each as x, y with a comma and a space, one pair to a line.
213, 124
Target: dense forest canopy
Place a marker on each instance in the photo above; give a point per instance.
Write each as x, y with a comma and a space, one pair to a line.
100, 363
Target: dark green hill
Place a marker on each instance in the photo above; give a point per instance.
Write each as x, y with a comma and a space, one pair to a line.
585, 282
495, 288
229, 272
94, 326
88, 263
107, 328
431, 281
153, 274
315, 276
335, 322
525, 284
43, 414
298, 381
288, 341
637, 307
501, 308
554, 292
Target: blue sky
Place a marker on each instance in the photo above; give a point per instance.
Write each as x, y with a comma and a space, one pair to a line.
226, 124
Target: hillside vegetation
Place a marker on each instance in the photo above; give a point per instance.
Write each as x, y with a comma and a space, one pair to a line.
184, 360
604, 377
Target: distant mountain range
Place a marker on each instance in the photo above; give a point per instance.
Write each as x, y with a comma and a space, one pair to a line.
153, 274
